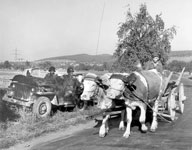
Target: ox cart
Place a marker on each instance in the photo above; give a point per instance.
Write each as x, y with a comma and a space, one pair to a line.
163, 96
172, 98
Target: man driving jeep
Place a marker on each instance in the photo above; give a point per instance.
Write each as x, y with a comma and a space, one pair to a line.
51, 76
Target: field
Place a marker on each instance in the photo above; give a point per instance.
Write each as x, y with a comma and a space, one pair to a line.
6, 76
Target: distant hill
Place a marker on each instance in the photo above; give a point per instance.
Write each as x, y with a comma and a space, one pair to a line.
185, 55
83, 58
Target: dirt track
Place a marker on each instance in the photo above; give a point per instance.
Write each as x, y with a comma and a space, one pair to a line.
172, 136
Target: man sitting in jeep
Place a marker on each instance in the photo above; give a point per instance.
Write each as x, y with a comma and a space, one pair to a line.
50, 77
70, 82
70, 89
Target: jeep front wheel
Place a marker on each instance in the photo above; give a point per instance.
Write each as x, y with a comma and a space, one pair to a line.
42, 107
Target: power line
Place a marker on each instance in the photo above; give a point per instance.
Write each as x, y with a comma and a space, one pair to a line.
16, 54
100, 27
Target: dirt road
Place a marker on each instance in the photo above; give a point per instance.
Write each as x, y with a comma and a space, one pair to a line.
169, 136
172, 136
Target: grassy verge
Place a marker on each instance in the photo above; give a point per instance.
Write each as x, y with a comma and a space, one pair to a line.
28, 126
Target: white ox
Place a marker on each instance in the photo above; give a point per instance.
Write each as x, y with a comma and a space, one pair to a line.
138, 90
91, 84
94, 89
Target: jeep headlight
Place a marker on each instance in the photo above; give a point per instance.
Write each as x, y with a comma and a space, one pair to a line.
10, 93
33, 90
13, 86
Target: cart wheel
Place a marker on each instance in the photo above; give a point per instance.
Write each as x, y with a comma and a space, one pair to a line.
171, 106
182, 98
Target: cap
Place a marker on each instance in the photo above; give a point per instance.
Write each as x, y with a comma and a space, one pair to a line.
155, 55
70, 69
52, 69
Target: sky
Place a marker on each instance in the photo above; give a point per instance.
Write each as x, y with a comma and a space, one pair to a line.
36, 29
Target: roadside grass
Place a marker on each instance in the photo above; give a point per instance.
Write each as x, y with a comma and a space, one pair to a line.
28, 126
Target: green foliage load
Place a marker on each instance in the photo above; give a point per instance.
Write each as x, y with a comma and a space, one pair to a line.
141, 36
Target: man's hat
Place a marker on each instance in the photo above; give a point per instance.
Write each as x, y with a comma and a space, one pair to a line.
70, 69
155, 55
52, 69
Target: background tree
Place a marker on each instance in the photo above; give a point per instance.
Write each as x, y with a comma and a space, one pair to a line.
189, 67
83, 66
107, 66
45, 65
27, 64
7, 64
177, 66
140, 36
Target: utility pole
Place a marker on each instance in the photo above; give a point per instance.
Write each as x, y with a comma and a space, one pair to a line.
100, 27
16, 54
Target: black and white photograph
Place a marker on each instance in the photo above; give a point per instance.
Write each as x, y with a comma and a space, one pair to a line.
95, 75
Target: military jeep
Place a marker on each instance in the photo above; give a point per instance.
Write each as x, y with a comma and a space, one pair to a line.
33, 93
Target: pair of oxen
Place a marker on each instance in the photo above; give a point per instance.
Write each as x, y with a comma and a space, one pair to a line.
138, 89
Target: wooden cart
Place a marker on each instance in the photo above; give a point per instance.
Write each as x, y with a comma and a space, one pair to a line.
172, 98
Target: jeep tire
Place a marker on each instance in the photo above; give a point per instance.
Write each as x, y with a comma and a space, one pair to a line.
42, 107
82, 105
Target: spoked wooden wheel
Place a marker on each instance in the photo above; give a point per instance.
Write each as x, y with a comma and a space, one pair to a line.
171, 105
182, 98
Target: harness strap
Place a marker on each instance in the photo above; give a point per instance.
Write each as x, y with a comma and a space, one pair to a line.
96, 93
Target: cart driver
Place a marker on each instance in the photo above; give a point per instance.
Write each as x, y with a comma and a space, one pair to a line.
155, 64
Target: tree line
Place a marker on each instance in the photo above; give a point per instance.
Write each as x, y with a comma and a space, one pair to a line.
46, 64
